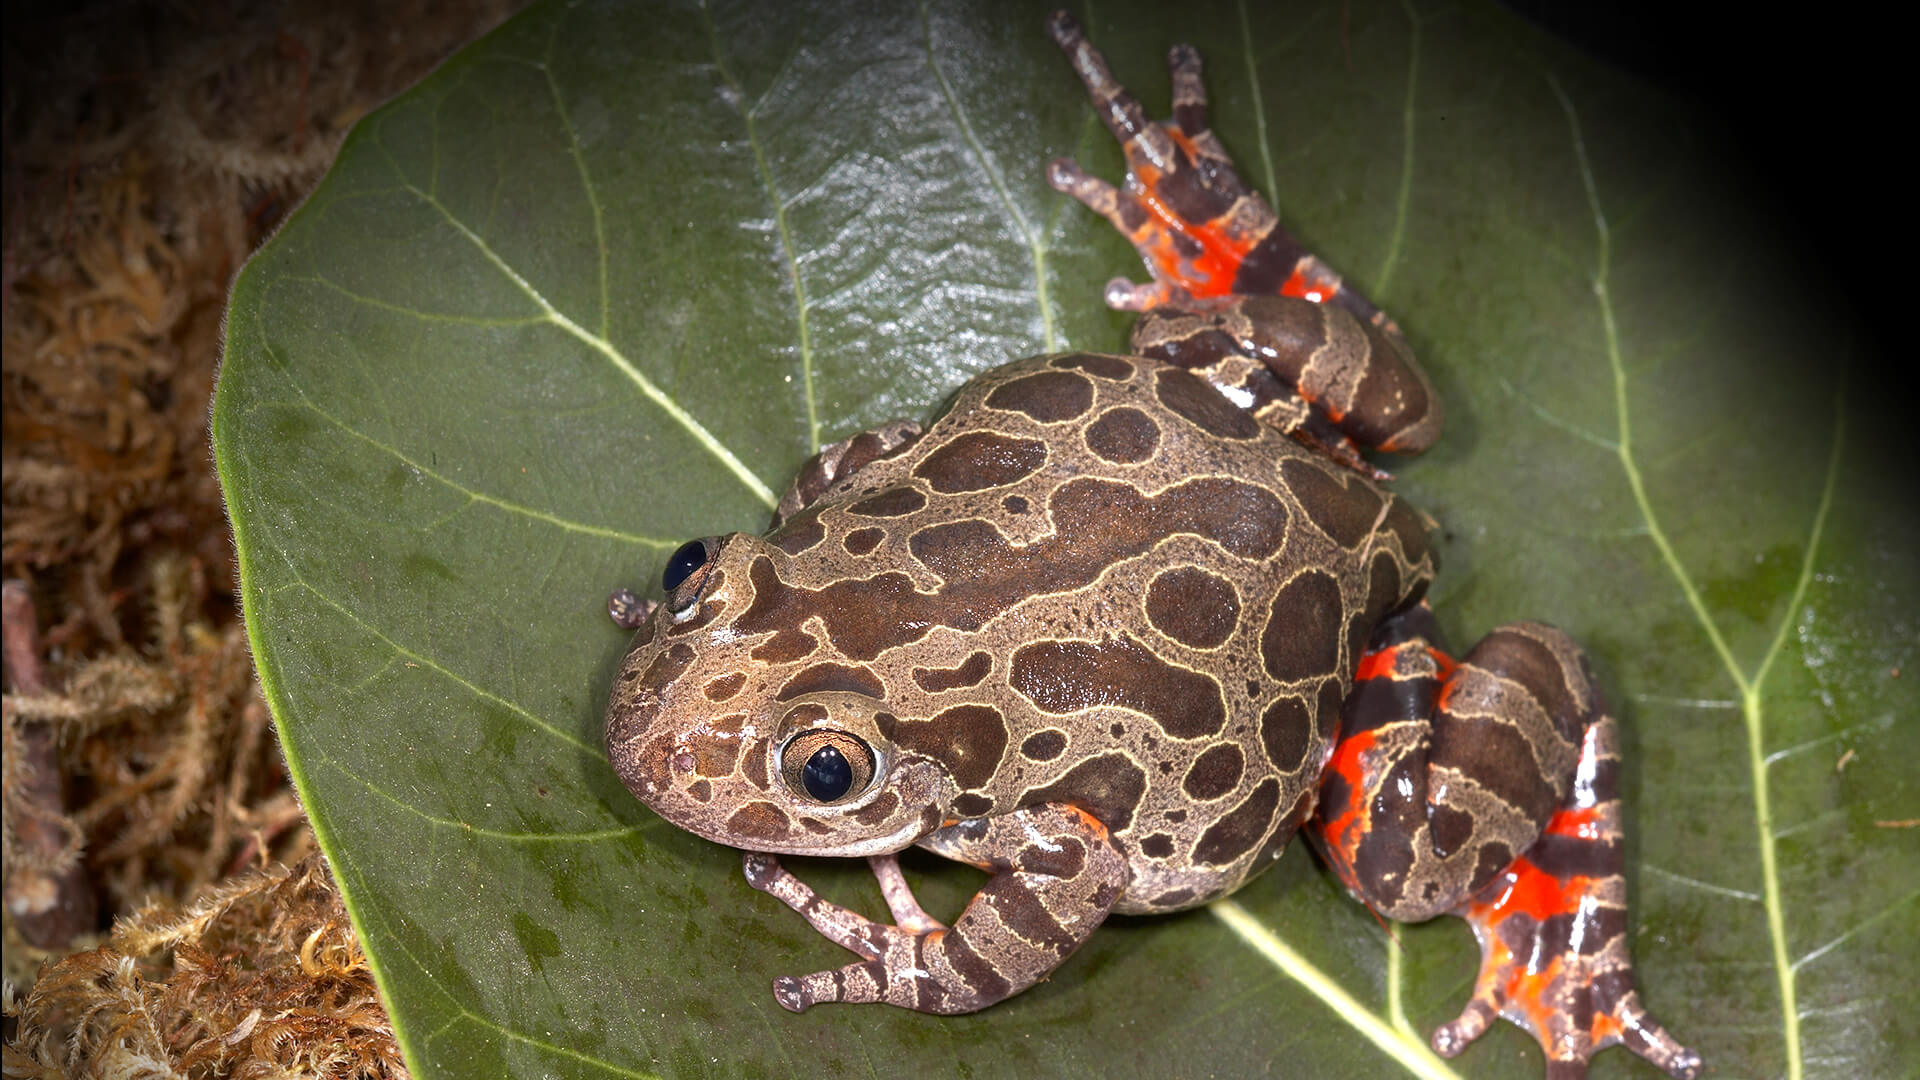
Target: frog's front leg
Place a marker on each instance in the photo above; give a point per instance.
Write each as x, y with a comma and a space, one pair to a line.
837, 462
1489, 789
1056, 875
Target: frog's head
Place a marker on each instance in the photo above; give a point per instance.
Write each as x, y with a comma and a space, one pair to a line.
735, 730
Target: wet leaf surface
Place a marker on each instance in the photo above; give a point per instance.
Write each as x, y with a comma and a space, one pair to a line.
603, 281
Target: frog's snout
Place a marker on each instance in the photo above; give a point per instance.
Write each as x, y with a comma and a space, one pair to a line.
640, 759
643, 691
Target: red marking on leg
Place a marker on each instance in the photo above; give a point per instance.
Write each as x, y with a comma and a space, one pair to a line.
1581, 821
1386, 663
1377, 664
1341, 833
1208, 274
1529, 891
1312, 281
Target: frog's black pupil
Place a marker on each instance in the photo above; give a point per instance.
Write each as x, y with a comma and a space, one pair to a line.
828, 774
685, 559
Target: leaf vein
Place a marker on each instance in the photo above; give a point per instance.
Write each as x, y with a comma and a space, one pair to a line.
1857, 928
586, 178
428, 663
469, 829
1036, 248
1259, 101
1703, 886
1397, 238
606, 349
787, 249
482, 497
1409, 1052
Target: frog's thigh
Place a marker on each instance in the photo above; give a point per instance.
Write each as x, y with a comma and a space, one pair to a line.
1360, 375
1445, 773
1056, 875
1490, 789
838, 462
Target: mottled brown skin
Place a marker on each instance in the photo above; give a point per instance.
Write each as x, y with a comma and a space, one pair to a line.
1114, 628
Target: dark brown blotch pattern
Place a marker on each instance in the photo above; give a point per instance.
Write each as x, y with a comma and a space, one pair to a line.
1286, 730
969, 740
1113, 368
725, 686
1067, 676
800, 533
1193, 607
1215, 773
1345, 508
1201, 405
760, 821
1108, 786
1123, 435
862, 541
936, 680
1098, 523
824, 677
1044, 745
1240, 829
1047, 396
1302, 635
979, 460
894, 502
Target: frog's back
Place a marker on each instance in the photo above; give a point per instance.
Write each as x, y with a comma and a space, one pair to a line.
1097, 580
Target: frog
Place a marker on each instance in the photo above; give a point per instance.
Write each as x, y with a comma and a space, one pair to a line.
1115, 628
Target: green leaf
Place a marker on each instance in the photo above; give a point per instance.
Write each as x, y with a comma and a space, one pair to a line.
606, 278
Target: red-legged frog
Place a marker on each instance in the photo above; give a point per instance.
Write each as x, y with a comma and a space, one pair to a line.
1114, 628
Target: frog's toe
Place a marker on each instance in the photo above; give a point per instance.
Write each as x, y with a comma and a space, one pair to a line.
791, 993
1643, 1035
1450, 1039
1124, 295
763, 870
627, 610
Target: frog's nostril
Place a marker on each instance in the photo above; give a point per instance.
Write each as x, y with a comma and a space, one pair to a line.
683, 762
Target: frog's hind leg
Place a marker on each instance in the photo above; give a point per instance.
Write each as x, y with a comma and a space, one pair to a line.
1488, 789
1219, 255
1553, 941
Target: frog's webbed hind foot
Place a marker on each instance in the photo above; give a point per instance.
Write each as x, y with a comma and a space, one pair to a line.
1126, 214
1444, 770
1182, 206
1553, 942
1201, 230
1218, 255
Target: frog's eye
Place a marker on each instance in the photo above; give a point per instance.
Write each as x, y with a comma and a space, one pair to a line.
685, 559
686, 572
826, 767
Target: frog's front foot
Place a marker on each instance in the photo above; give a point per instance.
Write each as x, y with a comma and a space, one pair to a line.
1056, 874
627, 610
894, 970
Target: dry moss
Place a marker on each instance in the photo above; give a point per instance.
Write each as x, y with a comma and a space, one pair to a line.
148, 148
259, 977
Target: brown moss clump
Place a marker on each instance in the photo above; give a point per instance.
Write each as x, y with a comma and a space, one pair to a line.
265, 980
173, 779
149, 146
